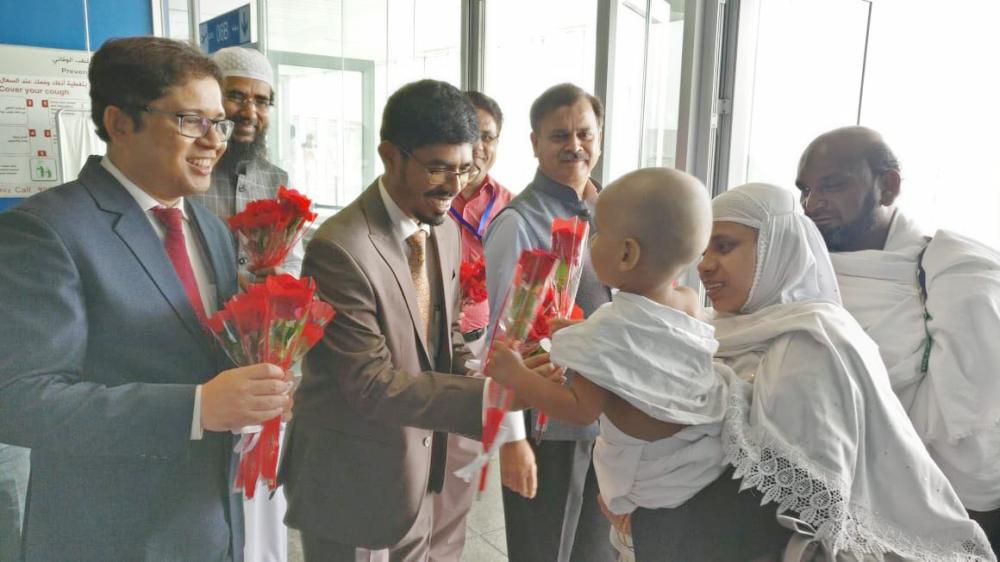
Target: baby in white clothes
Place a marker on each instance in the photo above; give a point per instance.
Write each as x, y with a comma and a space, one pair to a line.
643, 361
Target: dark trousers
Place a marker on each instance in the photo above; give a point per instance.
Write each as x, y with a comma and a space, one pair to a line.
563, 522
990, 522
719, 524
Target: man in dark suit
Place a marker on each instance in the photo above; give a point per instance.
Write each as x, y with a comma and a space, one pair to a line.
379, 394
106, 372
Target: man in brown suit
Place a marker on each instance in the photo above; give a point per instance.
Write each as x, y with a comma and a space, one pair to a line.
367, 443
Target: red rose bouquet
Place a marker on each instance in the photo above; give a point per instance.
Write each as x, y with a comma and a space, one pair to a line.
569, 241
269, 228
472, 278
521, 305
276, 322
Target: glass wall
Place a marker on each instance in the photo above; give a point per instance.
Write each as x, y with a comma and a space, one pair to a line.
918, 71
930, 81
805, 59
645, 85
524, 56
337, 63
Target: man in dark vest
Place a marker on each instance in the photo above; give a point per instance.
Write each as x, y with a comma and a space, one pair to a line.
562, 521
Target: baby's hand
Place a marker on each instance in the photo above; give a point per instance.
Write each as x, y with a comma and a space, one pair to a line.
503, 362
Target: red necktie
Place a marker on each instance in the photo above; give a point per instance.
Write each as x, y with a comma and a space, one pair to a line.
171, 220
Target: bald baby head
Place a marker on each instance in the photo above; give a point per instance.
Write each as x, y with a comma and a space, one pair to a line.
666, 213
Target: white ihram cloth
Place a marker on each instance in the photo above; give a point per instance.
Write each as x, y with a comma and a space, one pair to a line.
955, 404
812, 421
659, 360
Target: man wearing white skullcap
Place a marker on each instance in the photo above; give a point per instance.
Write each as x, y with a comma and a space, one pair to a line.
244, 174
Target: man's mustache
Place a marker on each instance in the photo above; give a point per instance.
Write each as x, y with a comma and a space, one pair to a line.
578, 156
243, 121
438, 192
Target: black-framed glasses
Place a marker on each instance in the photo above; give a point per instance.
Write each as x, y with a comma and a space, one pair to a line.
440, 176
195, 126
261, 104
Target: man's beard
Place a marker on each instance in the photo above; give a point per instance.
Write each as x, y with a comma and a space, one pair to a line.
237, 152
845, 237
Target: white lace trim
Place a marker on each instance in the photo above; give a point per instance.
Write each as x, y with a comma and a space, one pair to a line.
791, 480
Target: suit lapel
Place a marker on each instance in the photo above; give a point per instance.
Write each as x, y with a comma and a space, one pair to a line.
391, 250
215, 251
133, 228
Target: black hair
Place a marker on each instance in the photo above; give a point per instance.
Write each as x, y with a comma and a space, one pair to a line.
562, 95
130, 72
429, 112
489, 105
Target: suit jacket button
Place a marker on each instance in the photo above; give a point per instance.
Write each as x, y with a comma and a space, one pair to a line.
427, 441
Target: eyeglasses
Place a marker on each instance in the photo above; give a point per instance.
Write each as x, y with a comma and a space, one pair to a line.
196, 126
261, 104
487, 138
440, 176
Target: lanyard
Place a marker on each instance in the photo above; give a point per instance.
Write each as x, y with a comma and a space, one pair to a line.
483, 220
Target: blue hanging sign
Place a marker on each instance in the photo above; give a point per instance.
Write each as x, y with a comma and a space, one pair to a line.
226, 30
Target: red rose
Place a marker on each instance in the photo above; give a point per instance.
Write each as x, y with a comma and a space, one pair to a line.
569, 239
297, 204
289, 296
536, 265
472, 278
263, 213
249, 311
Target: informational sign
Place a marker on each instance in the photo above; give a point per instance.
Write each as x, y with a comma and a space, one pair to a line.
230, 29
35, 84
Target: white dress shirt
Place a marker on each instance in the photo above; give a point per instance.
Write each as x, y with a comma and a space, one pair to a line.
196, 254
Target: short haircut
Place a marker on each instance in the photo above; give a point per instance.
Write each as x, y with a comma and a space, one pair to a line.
489, 105
429, 112
129, 73
562, 95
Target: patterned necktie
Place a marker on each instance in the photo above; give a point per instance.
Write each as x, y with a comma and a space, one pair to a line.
418, 244
171, 220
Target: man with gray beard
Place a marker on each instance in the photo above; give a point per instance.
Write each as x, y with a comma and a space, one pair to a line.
242, 175
932, 304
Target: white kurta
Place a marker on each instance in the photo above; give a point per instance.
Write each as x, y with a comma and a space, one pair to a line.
659, 360
955, 402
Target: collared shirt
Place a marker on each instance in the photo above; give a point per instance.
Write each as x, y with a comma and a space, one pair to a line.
402, 226
233, 187
472, 211
196, 254
526, 223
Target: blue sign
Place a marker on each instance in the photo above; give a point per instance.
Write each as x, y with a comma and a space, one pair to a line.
230, 29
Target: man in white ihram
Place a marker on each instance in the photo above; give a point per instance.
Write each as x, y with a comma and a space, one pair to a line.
931, 303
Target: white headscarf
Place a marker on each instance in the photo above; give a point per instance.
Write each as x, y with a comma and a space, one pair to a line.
817, 428
792, 262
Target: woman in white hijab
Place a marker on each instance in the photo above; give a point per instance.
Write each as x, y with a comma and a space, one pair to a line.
823, 436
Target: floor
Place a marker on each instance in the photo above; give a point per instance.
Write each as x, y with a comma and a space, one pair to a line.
485, 538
